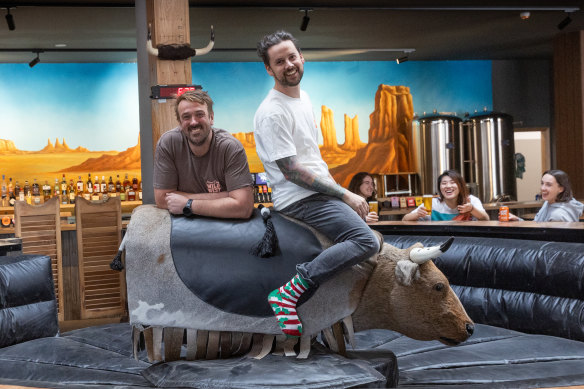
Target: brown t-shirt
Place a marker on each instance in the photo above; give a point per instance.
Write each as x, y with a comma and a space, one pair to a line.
223, 168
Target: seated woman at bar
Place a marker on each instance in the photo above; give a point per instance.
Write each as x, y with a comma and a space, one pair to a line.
362, 184
454, 203
559, 202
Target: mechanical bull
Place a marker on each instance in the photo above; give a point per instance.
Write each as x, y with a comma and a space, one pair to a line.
398, 289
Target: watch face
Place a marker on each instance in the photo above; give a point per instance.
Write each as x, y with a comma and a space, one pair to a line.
187, 211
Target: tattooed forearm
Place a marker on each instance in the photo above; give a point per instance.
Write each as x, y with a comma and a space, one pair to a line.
301, 176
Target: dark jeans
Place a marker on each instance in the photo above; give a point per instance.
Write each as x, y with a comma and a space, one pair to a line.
354, 240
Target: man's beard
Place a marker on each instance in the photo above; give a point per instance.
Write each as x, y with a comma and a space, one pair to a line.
199, 141
284, 81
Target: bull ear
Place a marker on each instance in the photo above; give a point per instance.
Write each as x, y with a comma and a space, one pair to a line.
421, 255
406, 272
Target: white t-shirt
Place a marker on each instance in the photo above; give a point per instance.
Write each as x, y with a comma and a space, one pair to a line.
442, 212
283, 127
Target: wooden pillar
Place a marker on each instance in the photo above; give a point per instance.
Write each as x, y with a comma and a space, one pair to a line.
169, 23
569, 107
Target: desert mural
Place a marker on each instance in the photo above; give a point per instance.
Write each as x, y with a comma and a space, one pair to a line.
80, 119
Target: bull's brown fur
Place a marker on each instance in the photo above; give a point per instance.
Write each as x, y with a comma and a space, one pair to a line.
387, 303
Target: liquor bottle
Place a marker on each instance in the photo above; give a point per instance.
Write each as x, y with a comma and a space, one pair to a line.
11, 195
71, 192
27, 192
269, 194
96, 186
96, 190
57, 189
64, 191
4, 192
133, 189
80, 186
103, 185
127, 185
265, 190
140, 191
36, 192
89, 186
46, 191
63, 185
17, 192
111, 187
118, 184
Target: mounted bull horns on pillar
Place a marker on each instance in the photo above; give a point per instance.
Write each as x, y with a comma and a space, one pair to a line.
181, 51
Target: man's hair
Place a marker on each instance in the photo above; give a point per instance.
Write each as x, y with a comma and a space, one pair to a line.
460, 183
195, 96
563, 181
272, 40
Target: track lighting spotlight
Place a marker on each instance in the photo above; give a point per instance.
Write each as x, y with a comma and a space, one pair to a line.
10, 20
35, 61
564, 23
402, 59
305, 20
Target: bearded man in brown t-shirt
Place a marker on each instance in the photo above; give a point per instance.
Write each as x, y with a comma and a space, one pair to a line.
199, 169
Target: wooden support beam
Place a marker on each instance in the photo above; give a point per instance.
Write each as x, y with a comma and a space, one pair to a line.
169, 24
569, 107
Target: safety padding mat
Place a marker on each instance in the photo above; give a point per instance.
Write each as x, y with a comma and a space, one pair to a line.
212, 257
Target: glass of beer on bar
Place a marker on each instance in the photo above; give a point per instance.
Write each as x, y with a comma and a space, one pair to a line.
428, 203
374, 207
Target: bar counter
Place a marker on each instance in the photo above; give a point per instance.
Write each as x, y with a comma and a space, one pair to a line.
530, 230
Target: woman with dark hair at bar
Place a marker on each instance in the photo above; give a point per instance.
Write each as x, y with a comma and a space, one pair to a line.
362, 184
454, 202
559, 202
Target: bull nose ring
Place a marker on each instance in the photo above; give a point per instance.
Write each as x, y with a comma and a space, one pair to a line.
469, 329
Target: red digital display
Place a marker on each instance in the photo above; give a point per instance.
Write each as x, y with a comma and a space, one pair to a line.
171, 91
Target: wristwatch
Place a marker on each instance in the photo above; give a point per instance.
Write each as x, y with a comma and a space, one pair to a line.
187, 211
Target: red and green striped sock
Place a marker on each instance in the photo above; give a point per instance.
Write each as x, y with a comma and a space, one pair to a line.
283, 302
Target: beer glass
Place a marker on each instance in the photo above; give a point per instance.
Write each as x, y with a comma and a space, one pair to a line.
374, 207
428, 203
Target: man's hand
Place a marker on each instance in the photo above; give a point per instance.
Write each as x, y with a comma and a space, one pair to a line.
358, 203
175, 203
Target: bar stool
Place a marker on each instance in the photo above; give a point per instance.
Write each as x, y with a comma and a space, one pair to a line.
99, 231
39, 227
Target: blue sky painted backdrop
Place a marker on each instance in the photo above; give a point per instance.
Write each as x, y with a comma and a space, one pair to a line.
96, 105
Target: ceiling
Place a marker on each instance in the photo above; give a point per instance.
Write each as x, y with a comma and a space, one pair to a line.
105, 31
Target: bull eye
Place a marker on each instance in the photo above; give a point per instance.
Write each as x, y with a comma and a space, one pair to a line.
438, 287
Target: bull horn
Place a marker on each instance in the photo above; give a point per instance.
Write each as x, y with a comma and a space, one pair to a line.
154, 51
424, 254
209, 46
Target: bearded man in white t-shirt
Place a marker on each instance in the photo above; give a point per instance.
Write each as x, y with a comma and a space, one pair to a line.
286, 141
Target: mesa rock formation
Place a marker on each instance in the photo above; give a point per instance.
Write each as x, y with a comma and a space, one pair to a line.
331, 152
390, 135
125, 160
8, 147
59, 147
246, 138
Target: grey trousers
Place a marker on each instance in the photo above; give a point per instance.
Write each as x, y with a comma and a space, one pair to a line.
354, 240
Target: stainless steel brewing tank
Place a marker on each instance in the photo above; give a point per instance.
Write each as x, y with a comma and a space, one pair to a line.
488, 156
437, 147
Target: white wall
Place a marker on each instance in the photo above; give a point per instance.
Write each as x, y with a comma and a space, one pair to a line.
529, 144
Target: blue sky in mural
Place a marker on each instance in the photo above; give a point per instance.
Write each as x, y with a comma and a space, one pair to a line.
96, 105
348, 88
89, 105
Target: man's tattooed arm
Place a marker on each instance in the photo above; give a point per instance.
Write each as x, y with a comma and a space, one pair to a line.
295, 172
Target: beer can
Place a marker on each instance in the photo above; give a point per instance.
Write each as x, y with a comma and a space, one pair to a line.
504, 214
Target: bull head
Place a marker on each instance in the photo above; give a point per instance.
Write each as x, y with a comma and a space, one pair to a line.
407, 293
178, 51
